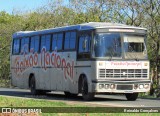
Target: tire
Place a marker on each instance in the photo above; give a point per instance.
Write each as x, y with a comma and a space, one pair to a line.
131, 96
33, 86
68, 94
84, 89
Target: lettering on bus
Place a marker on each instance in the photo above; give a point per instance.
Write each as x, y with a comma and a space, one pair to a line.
44, 61
126, 63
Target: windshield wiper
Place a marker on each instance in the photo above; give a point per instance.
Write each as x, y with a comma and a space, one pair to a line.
111, 54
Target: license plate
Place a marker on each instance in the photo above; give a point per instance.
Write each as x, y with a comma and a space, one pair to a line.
128, 91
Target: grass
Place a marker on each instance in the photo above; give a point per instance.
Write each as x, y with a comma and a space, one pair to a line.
21, 102
18, 102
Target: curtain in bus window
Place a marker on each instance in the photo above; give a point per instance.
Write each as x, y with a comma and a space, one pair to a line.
81, 39
70, 40
87, 40
66, 43
57, 41
24, 45
54, 42
48, 42
34, 47
16, 46
45, 42
32, 44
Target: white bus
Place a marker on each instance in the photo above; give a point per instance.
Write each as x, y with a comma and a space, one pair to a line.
87, 58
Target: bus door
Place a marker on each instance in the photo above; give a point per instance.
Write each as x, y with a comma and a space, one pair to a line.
84, 53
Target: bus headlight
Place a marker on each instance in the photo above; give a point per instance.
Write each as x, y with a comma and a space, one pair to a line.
141, 86
112, 86
106, 86
101, 86
146, 86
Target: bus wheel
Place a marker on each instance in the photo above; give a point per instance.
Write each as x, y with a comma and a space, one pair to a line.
84, 88
33, 86
68, 94
131, 96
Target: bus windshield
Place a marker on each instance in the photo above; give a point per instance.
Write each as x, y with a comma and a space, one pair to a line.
107, 45
134, 47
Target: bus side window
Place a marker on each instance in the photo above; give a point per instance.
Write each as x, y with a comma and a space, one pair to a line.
34, 47
16, 46
57, 41
70, 40
45, 42
24, 45
84, 46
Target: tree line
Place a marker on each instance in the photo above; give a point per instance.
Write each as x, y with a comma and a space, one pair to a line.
55, 13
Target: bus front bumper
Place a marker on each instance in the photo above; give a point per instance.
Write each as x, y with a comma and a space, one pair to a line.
134, 86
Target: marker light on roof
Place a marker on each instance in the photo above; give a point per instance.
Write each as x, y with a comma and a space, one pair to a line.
121, 30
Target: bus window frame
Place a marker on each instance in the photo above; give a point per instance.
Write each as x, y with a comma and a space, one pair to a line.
29, 37
13, 46
67, 50
51, 37
63, 33
34, 46
41, 41
80, 56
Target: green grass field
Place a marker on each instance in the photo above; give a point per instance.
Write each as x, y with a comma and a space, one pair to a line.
22, 102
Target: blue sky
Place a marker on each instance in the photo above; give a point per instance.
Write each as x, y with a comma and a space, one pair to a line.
20, 5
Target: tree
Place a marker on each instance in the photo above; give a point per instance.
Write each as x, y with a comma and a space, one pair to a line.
8, 25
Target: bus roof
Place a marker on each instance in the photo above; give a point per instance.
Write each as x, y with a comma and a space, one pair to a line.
79, 27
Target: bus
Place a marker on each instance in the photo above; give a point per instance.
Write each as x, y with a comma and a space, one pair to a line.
86, 59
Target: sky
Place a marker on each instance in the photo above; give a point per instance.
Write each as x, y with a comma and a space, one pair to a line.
20, 5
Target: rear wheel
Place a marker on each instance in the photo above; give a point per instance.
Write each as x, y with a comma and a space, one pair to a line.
84, 88
33, 86
131, 96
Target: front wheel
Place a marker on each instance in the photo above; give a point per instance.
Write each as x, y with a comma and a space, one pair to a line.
84, 88
131, 96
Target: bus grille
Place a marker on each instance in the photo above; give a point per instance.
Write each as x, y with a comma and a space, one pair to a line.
123, 73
